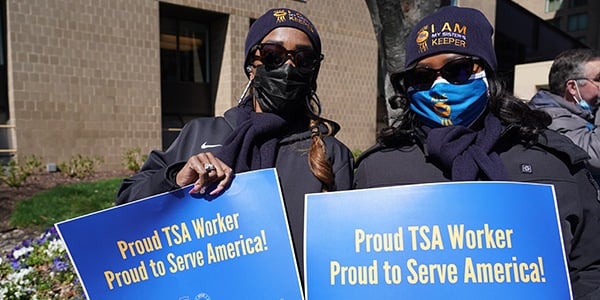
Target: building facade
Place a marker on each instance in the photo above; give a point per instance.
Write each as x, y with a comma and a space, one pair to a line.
578, 18
98, 78
525, 40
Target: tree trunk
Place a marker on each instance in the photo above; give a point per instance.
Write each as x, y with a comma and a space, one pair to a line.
393, 21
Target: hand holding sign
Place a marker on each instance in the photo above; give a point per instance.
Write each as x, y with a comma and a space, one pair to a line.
174, 246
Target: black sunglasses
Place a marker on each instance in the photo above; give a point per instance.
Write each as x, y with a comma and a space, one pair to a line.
456, 71
274, 56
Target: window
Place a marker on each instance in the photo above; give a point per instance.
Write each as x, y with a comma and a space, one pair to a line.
2, 32
4, 113
553, 5
183, 46
191, 50
577, 22
577, 3
7, 150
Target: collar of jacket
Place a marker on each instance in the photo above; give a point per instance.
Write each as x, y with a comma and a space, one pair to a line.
307, 134
546, 99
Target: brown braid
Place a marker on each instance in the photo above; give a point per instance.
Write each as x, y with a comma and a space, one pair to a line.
317, 158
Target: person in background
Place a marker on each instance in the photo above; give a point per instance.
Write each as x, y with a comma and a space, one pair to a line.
459, 124
572, 100
277, 124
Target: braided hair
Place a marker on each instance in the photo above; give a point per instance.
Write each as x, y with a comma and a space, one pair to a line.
319, 165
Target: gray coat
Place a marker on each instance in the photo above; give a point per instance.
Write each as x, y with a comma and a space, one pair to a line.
574, 122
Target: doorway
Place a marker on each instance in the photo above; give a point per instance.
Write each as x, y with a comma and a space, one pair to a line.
191, 47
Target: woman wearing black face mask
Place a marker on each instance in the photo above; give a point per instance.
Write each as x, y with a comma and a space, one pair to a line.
460, 125
276, 124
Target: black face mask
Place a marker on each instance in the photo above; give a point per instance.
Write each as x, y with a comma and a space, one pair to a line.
283, 91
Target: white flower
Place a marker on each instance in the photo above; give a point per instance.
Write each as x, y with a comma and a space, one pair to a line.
23, 281
55, 247
23, 251
18, 277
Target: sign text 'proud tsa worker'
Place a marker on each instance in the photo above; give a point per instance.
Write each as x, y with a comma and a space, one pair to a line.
177, 246
469, 240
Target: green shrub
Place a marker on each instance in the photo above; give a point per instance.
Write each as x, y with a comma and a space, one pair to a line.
33, 165
15, 175
134, 159
356, 153
80, 166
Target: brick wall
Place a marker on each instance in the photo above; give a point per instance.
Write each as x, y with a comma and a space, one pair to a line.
84, 76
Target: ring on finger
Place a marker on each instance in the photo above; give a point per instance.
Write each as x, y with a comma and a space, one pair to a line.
208, 167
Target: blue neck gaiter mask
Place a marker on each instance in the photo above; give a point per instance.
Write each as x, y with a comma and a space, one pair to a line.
446, 104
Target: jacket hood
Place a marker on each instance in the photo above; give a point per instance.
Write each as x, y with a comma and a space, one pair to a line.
544, 100
304, 135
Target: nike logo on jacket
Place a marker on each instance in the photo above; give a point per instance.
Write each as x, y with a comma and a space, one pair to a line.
208, 146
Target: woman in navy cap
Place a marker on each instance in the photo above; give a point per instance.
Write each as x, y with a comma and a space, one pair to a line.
276, 124
460, 125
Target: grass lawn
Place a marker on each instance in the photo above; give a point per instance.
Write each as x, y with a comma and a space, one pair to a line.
65, 202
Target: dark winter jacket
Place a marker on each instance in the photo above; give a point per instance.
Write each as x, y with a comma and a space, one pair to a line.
207, 134
553, 160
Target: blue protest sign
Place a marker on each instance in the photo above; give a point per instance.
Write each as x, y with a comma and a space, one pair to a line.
178, 246
469, 240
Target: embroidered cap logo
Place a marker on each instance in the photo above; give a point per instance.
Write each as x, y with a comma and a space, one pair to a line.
422, 37
280, 15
